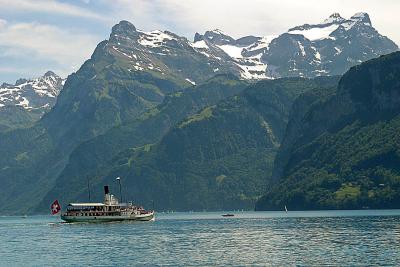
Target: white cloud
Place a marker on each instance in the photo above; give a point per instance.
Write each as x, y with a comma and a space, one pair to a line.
25, 72
9, 69
47, 43
48, 6
143, 13
2, 23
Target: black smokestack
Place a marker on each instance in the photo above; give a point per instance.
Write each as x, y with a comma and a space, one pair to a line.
106, 191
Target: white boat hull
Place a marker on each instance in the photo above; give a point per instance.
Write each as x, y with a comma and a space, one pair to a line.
133, 217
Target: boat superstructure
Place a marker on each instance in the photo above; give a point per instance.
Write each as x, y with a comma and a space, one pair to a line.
110, 210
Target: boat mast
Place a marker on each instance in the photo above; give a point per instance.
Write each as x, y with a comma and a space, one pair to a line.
120, 190
88, 186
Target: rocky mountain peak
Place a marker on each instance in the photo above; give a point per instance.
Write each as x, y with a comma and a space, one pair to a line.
123, 27
20, 81
334, 18
3, 85
50, 74
362, 17
198, 37
218, 37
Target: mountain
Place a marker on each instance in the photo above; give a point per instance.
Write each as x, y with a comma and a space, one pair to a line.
26, 101
165, 54
328, 48
105, 92
96, 155
214, 159
86, 158
134, 91
341, 149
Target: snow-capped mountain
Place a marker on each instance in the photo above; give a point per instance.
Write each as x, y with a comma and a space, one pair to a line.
309, 50
35, 94
246, 52
328, 48
168, 54
165, 54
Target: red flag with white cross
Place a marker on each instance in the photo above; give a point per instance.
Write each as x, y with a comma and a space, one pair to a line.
55, 207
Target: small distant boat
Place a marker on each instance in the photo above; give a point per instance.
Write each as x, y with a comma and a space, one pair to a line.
110, 210
228, 215
24, 216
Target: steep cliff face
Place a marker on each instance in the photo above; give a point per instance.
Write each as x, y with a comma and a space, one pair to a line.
341, 149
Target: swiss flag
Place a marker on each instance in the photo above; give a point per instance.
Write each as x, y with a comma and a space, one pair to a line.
55, 207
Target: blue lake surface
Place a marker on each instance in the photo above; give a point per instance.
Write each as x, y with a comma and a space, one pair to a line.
309, 238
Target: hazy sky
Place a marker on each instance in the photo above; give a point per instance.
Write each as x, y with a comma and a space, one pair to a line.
41, 35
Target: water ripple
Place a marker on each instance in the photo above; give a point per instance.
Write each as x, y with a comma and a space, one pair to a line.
355, 238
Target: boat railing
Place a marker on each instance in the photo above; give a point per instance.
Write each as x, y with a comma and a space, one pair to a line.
101, 212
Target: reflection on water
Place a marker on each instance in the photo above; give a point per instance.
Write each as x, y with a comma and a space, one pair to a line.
183, 239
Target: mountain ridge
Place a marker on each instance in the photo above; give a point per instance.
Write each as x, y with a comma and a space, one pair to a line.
341, 150
38, 93
309, 50
26, 101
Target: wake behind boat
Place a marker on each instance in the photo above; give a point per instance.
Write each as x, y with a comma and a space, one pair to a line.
110, 210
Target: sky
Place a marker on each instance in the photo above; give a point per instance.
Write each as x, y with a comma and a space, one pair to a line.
59, 35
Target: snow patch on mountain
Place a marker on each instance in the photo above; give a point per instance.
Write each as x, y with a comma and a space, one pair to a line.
256, 71
199, 44
189, 80
301, 47
317, 55
317, 33
232, 51
338, 51
154, 38
263, 43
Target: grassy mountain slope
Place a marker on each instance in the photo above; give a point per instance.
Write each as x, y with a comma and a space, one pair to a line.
14, 117
91, 158
217, 158
341, 151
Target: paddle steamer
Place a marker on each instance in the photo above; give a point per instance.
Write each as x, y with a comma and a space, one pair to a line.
110, 210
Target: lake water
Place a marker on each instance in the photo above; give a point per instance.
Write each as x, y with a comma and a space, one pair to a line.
312, 238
